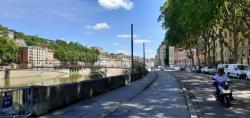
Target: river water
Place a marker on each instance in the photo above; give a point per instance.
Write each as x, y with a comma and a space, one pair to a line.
22, 78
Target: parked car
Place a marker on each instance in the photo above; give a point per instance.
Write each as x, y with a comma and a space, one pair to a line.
212, 71
194, 69
182, 67
207, 70
198, 69
237, 70
174, 67
248, 73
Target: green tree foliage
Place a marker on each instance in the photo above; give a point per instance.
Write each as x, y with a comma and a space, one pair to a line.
63, 51
187, 21
73, 52
8, 50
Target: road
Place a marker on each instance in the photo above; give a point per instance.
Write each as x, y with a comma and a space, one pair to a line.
201, 92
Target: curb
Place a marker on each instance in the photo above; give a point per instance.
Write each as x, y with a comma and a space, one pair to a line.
192, 106
155, 77
189, 102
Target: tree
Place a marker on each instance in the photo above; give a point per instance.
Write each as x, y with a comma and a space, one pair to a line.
186, 20
166, 61
8, 50
232, 15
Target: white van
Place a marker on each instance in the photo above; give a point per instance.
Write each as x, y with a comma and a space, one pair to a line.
237, 70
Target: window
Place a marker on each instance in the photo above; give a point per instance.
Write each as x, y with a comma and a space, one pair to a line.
230, 34
243, 52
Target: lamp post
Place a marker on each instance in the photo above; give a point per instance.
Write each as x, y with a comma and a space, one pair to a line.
144, 64
132, 49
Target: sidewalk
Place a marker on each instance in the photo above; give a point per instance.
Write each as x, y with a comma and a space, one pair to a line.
162, 100
103, 105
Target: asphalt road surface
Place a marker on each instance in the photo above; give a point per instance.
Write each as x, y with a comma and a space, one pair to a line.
201, 90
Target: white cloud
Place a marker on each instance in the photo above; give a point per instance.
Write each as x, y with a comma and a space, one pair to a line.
140, 41
99, 26
116, 44
122, 51
125, 36
116, 4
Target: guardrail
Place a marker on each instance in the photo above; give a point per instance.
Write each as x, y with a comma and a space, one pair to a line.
15, 102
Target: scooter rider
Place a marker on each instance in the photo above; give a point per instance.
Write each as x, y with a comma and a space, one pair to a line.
219, 78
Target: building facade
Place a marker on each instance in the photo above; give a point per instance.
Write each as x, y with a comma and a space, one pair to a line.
35, 56
223, 52
161, 55
184, 58
172, 56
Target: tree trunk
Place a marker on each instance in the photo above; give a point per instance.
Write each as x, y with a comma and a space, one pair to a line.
236, 44
192, 56
209, 55
213, 51
205, 55
198, 56
221, 52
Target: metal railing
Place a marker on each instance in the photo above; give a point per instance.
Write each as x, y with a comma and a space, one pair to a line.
15, 102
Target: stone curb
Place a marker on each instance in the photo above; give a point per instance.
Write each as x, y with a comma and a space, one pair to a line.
155, 77
192, 108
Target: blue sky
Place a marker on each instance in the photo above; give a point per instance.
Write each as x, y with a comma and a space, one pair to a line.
102, 23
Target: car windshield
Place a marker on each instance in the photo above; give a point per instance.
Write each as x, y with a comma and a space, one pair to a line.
242, 67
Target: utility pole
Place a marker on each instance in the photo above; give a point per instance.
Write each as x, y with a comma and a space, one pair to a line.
132, 49
144, 59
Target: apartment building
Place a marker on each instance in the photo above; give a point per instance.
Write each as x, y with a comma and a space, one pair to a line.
172, 56
222, 50
35, 56
184, 58
161, 55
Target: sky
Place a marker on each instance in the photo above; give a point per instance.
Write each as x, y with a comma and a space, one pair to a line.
102, 23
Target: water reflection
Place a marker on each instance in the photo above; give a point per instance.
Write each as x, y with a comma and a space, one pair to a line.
70, 79
21, 78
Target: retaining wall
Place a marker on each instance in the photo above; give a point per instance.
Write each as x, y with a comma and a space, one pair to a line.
49, 98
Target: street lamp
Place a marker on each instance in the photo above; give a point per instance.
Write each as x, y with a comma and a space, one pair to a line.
132, 49
144, 65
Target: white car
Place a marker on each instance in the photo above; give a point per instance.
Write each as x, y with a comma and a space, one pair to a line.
237, 70
207, 70
174, 67
248, 73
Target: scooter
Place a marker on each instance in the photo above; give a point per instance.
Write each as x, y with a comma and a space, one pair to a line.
225, 94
